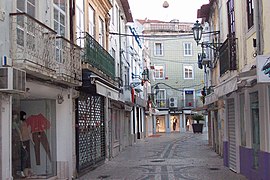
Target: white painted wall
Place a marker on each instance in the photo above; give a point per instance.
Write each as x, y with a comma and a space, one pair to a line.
5, 148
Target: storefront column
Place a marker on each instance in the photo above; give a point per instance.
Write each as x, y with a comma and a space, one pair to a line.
167, 123
64, 135
6, 137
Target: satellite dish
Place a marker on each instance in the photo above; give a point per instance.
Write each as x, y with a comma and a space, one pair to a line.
165, 4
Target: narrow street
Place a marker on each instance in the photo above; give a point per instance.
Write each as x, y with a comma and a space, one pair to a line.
166, 157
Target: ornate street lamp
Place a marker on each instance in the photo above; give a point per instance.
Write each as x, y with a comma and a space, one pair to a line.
197, 31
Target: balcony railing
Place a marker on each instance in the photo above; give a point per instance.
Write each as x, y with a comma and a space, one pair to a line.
98, 57
68, 58
36, 48
227, 54
181, 104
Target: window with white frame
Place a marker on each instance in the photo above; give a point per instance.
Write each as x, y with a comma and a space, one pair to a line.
59, 14
117, 18
187, 49
101, 32
159, 72
188, 72
29, 7
158, 49
161, 98
113, 13
80, 22
91, 17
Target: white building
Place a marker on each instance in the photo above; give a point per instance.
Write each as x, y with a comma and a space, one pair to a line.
43, 67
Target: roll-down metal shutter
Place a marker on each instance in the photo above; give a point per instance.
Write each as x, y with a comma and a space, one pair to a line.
231, 130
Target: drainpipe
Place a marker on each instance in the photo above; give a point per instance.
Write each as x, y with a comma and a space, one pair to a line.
258, 25
120, 46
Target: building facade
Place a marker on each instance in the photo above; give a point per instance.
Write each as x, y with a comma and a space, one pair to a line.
177, 84
238, 107
41, 67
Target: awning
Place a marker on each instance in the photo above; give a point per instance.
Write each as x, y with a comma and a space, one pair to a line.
106, 91
210, 98
226, 87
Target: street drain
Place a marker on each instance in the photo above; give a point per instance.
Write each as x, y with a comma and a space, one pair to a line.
103, 177
214, 169
158, 160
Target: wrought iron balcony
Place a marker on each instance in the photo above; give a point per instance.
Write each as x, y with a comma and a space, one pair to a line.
36, 49
227, 55
96, 56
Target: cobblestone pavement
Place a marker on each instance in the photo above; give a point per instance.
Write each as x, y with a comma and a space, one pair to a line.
175, 156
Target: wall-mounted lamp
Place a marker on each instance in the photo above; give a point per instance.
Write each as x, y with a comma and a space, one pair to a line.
60, 99
197, 33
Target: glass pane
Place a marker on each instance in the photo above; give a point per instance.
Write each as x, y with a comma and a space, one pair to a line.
56, 2
62, 30
56, 26
63, 5
55, 14
32, 1
21, 5
20, 37
62, 19
31, 10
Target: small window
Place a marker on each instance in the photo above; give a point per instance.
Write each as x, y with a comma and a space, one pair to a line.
91, 16
158, 49
59, 17
159, 72
80, 22
250, 15
188, 72
187, 49
101, 32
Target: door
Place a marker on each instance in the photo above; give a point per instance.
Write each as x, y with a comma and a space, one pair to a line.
254, 110
231, 130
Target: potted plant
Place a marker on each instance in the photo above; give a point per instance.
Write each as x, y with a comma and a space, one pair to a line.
197, 127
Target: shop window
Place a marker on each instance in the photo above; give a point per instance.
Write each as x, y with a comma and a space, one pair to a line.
34, 139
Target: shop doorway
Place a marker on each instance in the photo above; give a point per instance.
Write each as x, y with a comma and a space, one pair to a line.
160, 124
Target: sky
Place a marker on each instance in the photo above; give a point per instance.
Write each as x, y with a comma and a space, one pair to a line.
183, 10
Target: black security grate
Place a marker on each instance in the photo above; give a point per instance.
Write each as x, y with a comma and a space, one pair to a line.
90, 130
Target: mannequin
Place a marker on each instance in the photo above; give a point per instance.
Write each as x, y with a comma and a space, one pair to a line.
25, 137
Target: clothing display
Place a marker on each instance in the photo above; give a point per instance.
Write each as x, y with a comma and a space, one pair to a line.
38, 123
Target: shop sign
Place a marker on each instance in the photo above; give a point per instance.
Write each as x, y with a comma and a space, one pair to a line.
263, 69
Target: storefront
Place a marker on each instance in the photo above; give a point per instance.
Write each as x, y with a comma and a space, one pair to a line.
39, 121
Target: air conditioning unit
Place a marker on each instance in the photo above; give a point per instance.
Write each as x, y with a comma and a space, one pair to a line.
12, 80
173, 102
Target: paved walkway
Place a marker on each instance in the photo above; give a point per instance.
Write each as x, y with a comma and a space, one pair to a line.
175, 156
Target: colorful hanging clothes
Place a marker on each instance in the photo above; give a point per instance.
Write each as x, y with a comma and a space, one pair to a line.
38, 123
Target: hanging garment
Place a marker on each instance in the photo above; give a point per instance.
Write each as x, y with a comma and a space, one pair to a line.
41, 138
38, 123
